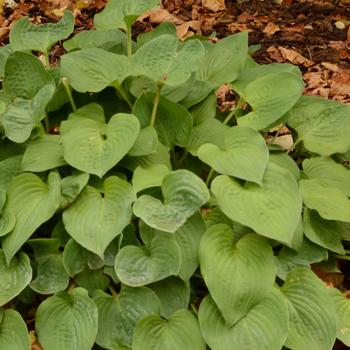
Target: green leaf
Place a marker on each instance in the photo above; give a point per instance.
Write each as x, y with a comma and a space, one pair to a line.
93, 69
33, 202
328, 172
327, 234
272, 210
311, 312
9, 168
151, 176
205, 110
25, 75
71, 187
5, 52
161, 29
22, 115
44, 153
270, 94
97, 217
113, 15
15, 276
146, 142
342, 305
158, 259
287, 162
161, 61
173, 294
51, 275
244, 155
183, 192
223, 61
179, 332
173, 123
322, 125
67, 321
13, 331
26, 36
330, 202
92, 280
104, 39
236, 285
265, 327
118, 315
102, 145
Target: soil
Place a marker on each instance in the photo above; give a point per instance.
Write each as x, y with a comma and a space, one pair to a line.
315, 35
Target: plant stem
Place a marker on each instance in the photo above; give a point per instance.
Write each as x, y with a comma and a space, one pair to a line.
69, 93
122, 92
230, 116
181, 160
129, 41
210, 175
342, 257
113, 291
290, 149
155, 104
47, 123
47, 59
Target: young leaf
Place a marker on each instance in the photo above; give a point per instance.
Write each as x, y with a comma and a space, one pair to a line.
272, 210
161, 61
139, 266
15, 276
97, 217
33, 202
322, 125
25, 75
93, 69
223, 61
43, 154
26, 36
183, 193
95, 148
330, 202
118, 315
235, 285
311, 312
113, 16
245, 154
13, 331
178, 332
265, 326
67, 321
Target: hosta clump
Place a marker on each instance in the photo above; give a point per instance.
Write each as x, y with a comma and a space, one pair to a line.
135, 215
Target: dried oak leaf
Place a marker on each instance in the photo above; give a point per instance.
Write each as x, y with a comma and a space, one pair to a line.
295, 57
214, 5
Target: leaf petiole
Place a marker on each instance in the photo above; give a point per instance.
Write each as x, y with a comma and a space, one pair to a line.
156, 103
69, 93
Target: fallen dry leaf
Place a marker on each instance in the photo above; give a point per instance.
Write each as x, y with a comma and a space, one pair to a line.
271, 28
295, 57
330, 66
284, 141
183, 30
159, 15
214, 5
275, 54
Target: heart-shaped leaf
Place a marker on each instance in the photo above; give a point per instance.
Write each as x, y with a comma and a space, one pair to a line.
14, 277
270, 91
236, 285
183, 194
322, 125
173, 294
146, 142
67, 321
342, 305
329, 172
312, 314
158, 259
97, 217
330, 202
178, 332
223, 61
93, 69
161, 61
265, 327
25, 75
11, 320
32, 202
327, 234
272, 210
94, 147
119, 314
146, 177
26, 36
245, 154
43, 154
71, 186
113, 15
51, 276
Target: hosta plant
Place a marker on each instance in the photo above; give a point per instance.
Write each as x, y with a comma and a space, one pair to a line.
136, 215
